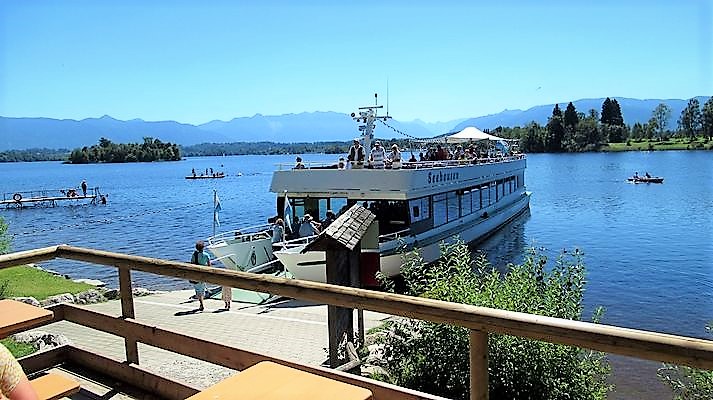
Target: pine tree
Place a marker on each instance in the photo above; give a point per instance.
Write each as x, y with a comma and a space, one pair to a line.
555, 130
606, 111
571, 119
616, 118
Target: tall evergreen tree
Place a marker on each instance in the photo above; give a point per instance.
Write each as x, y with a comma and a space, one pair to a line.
707, 119
571, 119
555, 130
690, 121
606, 111
616, 118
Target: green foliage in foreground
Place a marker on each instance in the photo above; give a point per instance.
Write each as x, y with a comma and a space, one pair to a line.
28, 281
434, 357
688, 383
5, 239
18, 349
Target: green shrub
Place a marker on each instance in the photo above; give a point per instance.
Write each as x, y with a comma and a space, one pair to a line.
434, 357
688, 383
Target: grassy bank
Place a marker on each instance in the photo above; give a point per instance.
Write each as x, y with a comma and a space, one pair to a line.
24, 281
32, 282
652, 145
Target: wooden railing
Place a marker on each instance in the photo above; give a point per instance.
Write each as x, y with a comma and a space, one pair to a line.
481, 321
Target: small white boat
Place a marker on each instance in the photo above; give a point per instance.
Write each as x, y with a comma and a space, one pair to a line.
420, 204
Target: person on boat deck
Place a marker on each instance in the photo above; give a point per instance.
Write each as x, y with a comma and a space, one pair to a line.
636, 175
308, 227
441, 154
200, 258
193, 171
328, 219
377, 156
299, 164
14, 384
647, 175
278, 231
394, 157
84, 187
356, 155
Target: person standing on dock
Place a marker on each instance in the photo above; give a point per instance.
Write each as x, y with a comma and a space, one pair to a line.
200, 258
84, 187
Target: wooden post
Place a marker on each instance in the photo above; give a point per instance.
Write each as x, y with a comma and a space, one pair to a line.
127, 311
355, 281
478, 365
340, 320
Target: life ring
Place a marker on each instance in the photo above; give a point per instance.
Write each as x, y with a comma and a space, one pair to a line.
17, 197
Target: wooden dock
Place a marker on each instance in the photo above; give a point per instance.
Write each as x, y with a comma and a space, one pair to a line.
52, 198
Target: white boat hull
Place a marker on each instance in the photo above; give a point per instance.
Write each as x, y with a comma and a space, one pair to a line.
311, 265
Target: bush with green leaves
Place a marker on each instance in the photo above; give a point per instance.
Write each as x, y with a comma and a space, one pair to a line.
434, 357
688, 383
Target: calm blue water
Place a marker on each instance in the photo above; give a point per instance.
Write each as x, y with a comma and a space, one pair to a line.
648, 248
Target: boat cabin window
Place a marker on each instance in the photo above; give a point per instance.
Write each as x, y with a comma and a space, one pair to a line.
393, 216
316, 207
420, 209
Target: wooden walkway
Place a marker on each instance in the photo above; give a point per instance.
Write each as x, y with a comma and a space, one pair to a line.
51, 198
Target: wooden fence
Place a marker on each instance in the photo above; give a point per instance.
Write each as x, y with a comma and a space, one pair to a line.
481, 321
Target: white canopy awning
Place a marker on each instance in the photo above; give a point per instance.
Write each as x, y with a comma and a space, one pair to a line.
471, 133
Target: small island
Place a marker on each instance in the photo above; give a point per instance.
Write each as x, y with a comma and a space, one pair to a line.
107, 152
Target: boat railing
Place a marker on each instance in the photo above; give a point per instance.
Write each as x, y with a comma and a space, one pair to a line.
50, 193
294, 243
245, 234
408, 165
394, 235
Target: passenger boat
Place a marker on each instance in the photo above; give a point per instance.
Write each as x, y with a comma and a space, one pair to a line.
645, 179
418, 205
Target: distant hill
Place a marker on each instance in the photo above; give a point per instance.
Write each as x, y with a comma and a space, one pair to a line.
25, 133
633, 110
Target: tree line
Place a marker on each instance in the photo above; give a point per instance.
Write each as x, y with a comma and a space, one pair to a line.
574, 131
107, 152
34, 155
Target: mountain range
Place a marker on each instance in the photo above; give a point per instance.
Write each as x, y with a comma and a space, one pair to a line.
26, 133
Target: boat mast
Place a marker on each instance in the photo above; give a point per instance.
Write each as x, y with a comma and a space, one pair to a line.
367, 116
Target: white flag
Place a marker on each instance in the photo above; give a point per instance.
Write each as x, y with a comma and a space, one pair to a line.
288, 213
217, 210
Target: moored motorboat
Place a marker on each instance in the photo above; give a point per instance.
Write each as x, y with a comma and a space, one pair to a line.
418, 205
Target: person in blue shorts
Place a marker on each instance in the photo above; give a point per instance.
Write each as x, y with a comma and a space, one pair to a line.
201, 258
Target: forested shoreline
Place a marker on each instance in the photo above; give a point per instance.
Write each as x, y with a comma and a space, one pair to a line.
566, 131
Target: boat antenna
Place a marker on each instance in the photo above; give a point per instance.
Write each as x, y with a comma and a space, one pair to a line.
387, 96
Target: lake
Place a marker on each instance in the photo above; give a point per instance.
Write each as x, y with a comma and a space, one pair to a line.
648, 248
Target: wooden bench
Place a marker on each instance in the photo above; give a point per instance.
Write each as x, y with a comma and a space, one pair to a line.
54, 386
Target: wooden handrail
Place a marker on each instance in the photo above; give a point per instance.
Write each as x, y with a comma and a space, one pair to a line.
655, 346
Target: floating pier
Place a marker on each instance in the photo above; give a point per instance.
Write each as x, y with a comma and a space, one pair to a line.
53, 197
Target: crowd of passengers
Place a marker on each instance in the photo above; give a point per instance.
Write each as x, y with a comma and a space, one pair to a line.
380, 158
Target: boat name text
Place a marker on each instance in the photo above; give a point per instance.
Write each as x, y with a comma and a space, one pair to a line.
442, 177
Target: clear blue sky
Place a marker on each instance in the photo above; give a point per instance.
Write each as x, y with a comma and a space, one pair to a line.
199, 61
